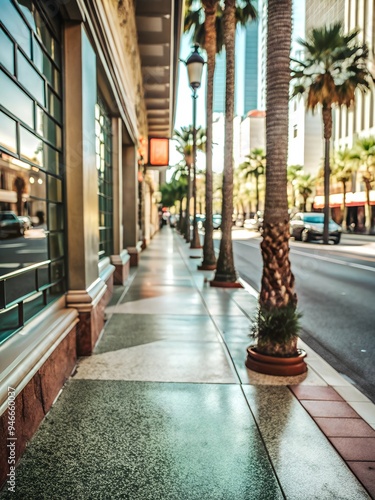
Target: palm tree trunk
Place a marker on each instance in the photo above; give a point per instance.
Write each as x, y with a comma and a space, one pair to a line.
187, 212
225, 271
180, 222
257, 191
277, 288
327, 125
209, 258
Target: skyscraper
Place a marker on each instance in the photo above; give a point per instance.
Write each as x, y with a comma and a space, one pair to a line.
246, 87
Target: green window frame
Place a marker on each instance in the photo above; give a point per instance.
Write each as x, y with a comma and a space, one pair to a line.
103, 147
32, 166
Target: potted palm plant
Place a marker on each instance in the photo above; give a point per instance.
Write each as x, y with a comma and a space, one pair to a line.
276, 324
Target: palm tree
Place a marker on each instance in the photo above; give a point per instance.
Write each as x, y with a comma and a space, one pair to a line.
365, 149
276, 325
342, 170
333, 68
184, 146
305, 185
291, 174
179, 180
233, 14
207, 34
255, 167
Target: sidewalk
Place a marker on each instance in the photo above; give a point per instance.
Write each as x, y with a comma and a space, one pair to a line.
166, 409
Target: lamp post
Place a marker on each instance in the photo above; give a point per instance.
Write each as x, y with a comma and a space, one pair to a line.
194, 66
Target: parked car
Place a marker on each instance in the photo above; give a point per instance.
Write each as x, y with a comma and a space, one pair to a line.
10, 224
309, 227
255, 223
201, 218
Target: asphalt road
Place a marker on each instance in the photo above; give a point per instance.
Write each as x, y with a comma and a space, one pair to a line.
335, 286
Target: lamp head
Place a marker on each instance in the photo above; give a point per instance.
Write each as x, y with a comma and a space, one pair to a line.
194, 66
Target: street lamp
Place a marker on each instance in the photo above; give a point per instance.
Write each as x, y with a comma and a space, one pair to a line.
194, 66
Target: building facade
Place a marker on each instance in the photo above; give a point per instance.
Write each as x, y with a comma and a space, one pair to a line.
84, 84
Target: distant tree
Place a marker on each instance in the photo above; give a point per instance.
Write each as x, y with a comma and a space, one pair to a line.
365, 152
255, 167
184, 146
343, 166
332, 69
291, 174
305, 185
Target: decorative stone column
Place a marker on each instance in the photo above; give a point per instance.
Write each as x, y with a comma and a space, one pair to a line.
121, 258
130, 204
86, 291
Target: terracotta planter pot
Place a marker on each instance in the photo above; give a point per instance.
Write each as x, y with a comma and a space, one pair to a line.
207, 267
272, 365
226, 284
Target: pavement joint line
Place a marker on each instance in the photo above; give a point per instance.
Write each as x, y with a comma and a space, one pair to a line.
220, 336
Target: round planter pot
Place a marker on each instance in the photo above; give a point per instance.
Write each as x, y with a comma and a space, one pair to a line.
226, 284
272, 365
207, 267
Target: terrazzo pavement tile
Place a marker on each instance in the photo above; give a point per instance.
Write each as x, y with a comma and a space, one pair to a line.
163, 361
134, 329
305, 462
351, 394
236, 329
178, 303
329, 374
365, 471
138, 441
355, 448
315, 393
329, 409
345, 427
365, 410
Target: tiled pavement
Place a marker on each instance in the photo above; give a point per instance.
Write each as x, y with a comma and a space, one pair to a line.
166, 409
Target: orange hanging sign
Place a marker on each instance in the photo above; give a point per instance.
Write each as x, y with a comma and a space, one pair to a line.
158, 152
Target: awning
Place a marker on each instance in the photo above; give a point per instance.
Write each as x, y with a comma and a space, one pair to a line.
357, 199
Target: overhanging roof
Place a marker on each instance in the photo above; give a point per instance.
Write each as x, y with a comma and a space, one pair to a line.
159, 24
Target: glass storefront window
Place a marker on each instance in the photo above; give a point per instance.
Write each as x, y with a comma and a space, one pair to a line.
31, 166
6, 52
103, 131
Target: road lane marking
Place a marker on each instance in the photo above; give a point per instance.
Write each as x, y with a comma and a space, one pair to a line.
319, 257
31, 250
334, 261
12, 245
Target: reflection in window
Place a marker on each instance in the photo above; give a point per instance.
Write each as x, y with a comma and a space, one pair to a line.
14, 23
31, 147
15, 100
30, 78
30, 163
8, 137
103, 147
6, 52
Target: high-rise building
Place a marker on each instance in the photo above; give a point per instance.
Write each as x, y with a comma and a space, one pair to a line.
246, 87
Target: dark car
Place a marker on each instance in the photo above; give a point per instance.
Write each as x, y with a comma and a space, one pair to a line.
309, 227
10, 224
